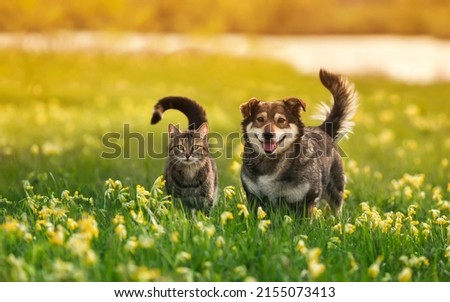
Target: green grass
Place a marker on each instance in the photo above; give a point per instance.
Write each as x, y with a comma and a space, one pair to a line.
62, 218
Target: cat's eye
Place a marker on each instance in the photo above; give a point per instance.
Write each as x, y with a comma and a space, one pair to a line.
260, 119
195, 147
281, 120
179, 147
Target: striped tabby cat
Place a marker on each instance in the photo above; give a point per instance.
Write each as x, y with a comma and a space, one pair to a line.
191, 173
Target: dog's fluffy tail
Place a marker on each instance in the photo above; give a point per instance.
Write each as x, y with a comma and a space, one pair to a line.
194, 112
338, 119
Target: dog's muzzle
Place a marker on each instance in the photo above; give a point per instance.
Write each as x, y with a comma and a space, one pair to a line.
269, 143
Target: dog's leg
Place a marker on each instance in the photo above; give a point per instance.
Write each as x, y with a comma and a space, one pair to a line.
335, 188
305, 207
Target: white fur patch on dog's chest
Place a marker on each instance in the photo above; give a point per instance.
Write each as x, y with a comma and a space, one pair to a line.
268, 186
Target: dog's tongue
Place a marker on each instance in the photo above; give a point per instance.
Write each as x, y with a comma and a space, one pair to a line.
270, 146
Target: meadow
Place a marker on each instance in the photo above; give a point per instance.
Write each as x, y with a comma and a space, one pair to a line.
67, 213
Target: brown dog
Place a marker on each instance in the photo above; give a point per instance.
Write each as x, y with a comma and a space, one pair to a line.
286, 162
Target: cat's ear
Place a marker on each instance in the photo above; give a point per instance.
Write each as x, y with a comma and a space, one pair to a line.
173, 129
248, 108
203, 130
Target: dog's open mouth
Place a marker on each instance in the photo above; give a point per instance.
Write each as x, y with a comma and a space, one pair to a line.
270, 145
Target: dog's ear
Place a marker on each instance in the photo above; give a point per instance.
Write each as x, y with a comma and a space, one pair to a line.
249, 107
295, 105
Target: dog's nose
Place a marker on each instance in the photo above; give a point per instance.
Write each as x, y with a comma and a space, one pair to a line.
268, 135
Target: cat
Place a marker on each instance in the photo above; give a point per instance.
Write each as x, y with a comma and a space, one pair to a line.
190, 172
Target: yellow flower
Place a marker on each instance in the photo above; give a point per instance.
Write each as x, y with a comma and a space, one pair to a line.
240, 271
183, 257
443, 205
121, 230
301, 247
287, 219
175, 237
229, 192
437, 195
132, 244
186, 272
78, 244
263, 225
349, 228
386, 224
260, 213
90, 258
317, 213
353, 264
408, 192
435, 213
88, 226
158, 229
235, 166
441, 220
139, 217
159, 183
412, 210
210, 231
157, 187
243, 210
447, 252
415, 180
34, 149
414, 261
225, 216
346, 194
62, 269
414, 231
118, 219
146, 242
333, 242
365, 208
56, 238
220, 242
337, 228
144, 274
314, 266
71, 224
405, 275
11, 225
316, 269
374, 269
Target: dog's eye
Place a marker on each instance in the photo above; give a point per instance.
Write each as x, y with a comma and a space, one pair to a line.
260, 119
281, 120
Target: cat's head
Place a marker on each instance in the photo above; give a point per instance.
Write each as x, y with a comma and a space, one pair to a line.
188, 147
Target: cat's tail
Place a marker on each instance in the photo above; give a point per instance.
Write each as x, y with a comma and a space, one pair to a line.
194, 112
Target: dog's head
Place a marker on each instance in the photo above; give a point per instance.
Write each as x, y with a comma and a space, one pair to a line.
272, 127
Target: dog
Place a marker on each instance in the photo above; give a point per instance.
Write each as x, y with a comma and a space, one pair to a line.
285, 162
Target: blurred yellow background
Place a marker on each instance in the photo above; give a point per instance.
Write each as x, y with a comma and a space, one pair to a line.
430, 17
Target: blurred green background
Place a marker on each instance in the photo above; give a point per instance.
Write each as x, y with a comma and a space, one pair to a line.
429, 17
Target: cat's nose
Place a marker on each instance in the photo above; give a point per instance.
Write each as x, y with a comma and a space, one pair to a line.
188, 155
